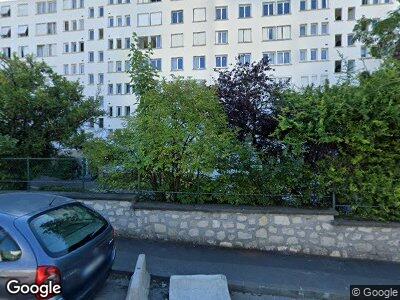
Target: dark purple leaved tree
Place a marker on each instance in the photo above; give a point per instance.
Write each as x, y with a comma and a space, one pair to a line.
251, 98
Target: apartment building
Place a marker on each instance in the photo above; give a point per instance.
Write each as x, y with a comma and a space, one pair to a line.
307, 41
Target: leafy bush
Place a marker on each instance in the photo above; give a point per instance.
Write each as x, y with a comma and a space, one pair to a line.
349, 138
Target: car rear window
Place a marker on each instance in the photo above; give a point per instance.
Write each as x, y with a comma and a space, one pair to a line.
67, 228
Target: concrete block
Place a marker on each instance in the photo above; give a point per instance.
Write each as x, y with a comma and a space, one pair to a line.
199, 287
139, 284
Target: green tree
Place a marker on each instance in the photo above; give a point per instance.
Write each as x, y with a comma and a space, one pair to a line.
7, 145
178, 140
143, 76
178, 135
39, 108
381, 36
348, 136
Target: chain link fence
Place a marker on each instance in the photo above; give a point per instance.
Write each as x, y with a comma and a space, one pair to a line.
71, 174
53, 174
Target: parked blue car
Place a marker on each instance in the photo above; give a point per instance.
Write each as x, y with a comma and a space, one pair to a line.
48, 238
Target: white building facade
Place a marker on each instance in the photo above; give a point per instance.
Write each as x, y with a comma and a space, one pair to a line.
307, 41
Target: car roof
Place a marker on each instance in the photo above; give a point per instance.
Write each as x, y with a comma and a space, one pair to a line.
19, 204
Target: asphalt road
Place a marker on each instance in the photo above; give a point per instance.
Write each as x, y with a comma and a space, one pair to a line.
271, 273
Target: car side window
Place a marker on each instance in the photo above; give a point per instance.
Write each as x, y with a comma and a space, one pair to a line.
9, 250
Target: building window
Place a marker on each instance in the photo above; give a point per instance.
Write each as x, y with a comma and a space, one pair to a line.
177, 17
245, 58
245, 11
338, 40
268, 9
177, 64
177, 40
221, 61
110, 90
156, 63
283, 7
304, 81
271, 56
6, 51
324, 28
119, 21
338, 66
199, 38
276, 33
324, 54
364, 52
221, 37
351, 13
23, 30
81, 68
118, 66
128, 43
111, 22
221, 13
22, 10
303, 5
91, 35
245, 35
338, 14
100, 78
145, 42
46, 7
118, 43
303, 30
199, 14
119, 89
313, 54
91, 79
314, 29
22, 51
199, 62
283, 57
110, 66
350, 39
155, 18
303, 55
351, 65
314, 4
119, 111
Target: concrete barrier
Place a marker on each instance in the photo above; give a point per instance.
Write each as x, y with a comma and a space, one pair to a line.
199, 287
139, 284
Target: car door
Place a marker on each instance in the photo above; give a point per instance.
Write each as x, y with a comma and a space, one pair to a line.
16, 259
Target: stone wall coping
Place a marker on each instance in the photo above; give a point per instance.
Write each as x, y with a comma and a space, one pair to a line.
360, 223
222, 208
219, 208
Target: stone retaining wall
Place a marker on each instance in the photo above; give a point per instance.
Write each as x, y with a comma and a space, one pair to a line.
299, 231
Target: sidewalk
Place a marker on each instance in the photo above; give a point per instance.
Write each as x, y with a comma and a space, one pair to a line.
251, 270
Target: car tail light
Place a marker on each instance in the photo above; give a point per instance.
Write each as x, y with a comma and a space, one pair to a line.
45, 274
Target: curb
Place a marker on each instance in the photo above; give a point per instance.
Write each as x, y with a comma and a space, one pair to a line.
285, 292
